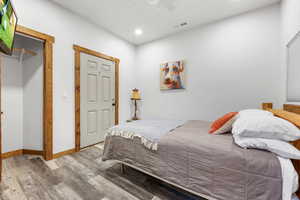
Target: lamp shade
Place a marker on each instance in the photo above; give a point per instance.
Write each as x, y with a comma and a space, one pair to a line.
135, 94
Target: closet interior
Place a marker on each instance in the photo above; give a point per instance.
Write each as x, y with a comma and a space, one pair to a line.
22, 96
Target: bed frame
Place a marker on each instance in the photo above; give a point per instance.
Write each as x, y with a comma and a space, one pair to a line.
123, 164
296, 110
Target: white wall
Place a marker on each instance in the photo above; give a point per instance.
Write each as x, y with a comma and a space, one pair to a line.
290, 13
69, 29
290, 19
33, 100
231, 65
12, 105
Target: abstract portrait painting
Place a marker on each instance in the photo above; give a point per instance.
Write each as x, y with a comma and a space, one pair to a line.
172, 76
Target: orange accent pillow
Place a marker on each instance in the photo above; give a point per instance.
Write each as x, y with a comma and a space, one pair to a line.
223, 124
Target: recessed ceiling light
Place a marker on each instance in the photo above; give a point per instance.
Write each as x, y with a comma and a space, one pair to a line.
138, 31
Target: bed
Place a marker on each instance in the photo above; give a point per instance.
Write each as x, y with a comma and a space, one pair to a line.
210, 166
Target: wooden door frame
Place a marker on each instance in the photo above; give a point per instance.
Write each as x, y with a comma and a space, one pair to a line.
47, 88
78, 50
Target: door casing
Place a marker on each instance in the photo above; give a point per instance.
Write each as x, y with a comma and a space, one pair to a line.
48, 88
78, 50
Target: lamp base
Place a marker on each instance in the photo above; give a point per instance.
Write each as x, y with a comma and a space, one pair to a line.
135, 118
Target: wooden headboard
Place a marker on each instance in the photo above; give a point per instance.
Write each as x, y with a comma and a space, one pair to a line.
293, 110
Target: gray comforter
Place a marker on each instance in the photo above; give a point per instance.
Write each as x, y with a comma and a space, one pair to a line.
207, 164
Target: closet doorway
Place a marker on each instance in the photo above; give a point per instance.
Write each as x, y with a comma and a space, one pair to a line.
96, 96
26, 101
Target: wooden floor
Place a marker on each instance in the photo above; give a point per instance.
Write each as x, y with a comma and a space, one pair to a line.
81, 175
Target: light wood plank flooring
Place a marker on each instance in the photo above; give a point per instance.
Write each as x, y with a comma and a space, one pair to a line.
79, 176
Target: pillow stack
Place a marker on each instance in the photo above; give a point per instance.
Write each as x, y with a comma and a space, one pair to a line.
262, 130
224, 124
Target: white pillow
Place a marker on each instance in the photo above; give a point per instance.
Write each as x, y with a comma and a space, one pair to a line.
268, 127
254, 112
280, 148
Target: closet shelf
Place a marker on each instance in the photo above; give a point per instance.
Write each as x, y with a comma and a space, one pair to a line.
21, 53
25, 51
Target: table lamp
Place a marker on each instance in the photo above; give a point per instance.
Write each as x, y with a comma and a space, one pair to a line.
135, 96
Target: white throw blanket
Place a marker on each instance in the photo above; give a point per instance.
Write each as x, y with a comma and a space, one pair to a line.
289, 178
149, 131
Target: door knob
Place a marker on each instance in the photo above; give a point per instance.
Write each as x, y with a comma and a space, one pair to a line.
113, 104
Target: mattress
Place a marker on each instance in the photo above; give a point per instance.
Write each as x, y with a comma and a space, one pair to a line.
207, 164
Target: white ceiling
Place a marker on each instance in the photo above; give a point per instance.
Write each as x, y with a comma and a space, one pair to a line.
157, 18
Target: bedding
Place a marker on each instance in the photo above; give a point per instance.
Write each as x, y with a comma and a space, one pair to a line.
149, 131
254, 112
212, 165
290, 182
268, 127
272, 134
278, 147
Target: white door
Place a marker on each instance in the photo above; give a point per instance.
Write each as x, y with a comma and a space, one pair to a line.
97, 98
